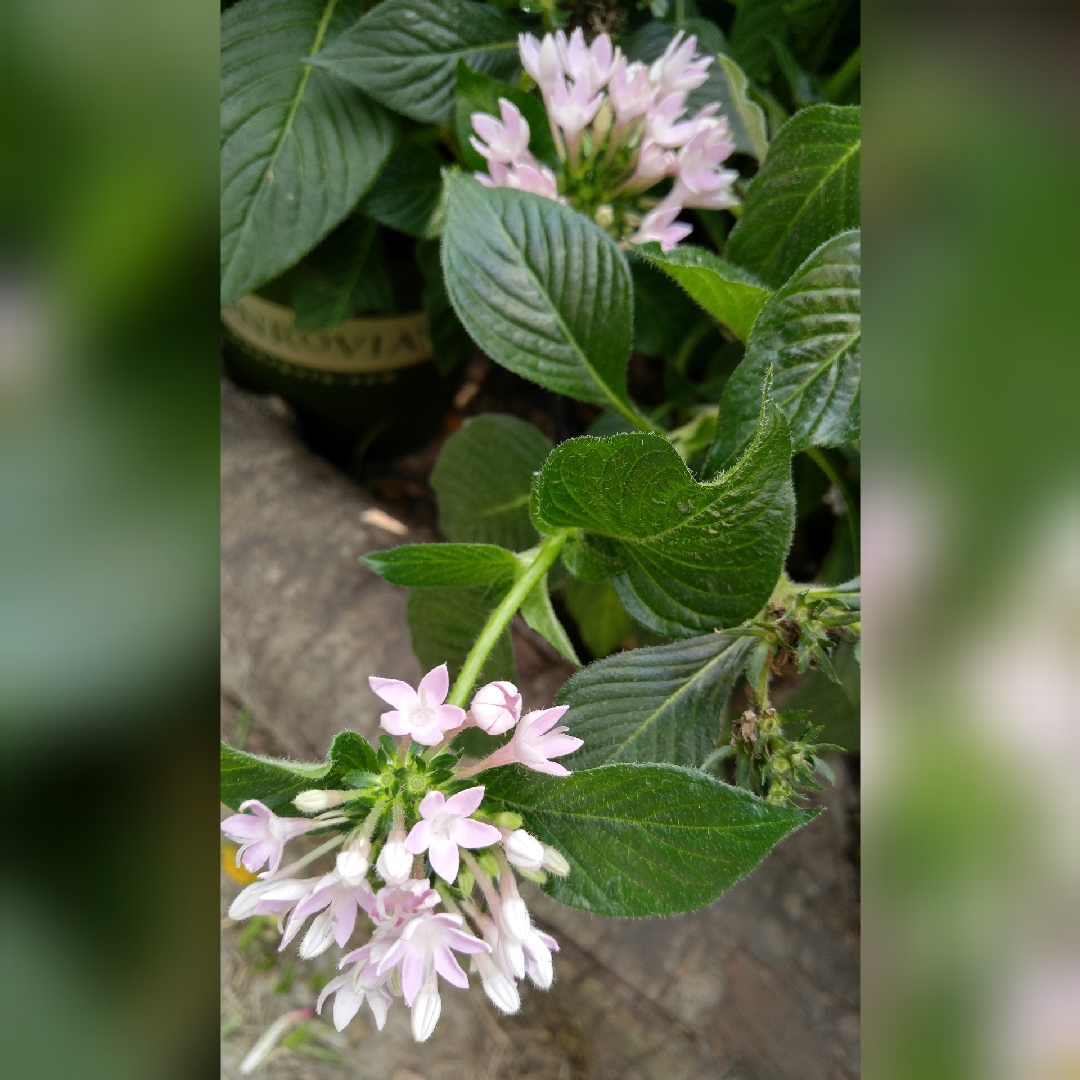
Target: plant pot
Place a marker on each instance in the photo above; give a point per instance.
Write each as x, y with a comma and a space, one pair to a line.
367, 386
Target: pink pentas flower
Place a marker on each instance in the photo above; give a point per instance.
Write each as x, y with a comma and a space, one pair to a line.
262, 835
541, 60
420, 712
630, 91
396, 904
338, 895
677, 71
446, 826
426, 945
272, 896
506, 142
573, 107
536, 741
660, 225
583, 63
496, 707
355, 987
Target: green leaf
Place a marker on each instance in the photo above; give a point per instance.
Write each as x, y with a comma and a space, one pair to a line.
482, 481
644, 839
833, 706
344, 276
540, 615
423, 565
276, 782
405, 53
757, 24
726, 83
809, 335
477, 92
732, 296
694, 556
541, 289
445, 623
806, 191
449, 341
408, 192
601, 619
664, 315
657, 704
299, 146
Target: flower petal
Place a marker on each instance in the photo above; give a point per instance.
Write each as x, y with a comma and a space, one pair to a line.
464, 802
473, 834
449, 717
395, 723
432, 803
241, 827
445, 859
419, 838
449, 968
412, 974
399, 694
557, 745
436, 685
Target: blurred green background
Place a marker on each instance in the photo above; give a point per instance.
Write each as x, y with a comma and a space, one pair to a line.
108, 592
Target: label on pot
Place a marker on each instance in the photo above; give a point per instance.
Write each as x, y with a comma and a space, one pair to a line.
377, 344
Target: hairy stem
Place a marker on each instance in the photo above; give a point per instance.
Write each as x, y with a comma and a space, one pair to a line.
500, 618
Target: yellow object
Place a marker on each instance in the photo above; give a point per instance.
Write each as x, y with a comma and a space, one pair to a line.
228, 864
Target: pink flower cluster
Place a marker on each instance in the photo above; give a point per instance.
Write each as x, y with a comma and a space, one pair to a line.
619, 128
412, 944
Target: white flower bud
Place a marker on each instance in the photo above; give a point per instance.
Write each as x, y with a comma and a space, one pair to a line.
497, 985
514, 919
555, 862
523, 850
395, 860
496, 707
314, 802
353, 863
426, 1009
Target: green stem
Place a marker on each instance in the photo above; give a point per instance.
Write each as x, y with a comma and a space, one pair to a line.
840, 82
827, 467
500, 618
680, 13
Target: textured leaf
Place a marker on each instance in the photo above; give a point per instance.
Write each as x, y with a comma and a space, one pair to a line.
657, 704
445, 623
726, 83
809, 335
344, 276
731, 295
299, 146
694, 557
541, 289
405, 53
757, 24
540, 615
424, 565
277, 782
806, 191
482, 481
477, 92
644, 839
663, 317
408, 192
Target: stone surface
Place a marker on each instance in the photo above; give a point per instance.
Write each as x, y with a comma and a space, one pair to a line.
762, 985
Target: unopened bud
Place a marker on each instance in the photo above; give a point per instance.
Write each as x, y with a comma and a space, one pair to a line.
533, 875
496, 707
604, 216
497, 986
555, 862
395, 860
601, 124
508, 820
352, 863
523, 850
314, 802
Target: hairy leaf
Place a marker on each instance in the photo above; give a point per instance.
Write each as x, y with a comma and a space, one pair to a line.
731, 295
482, 481
408, 192
656, 704
477, 92
405, 53
540, 615
423, 565
541, 289
693, 556
276, 782
806, 191
644, 839
444, 623
809, 335
299, 146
